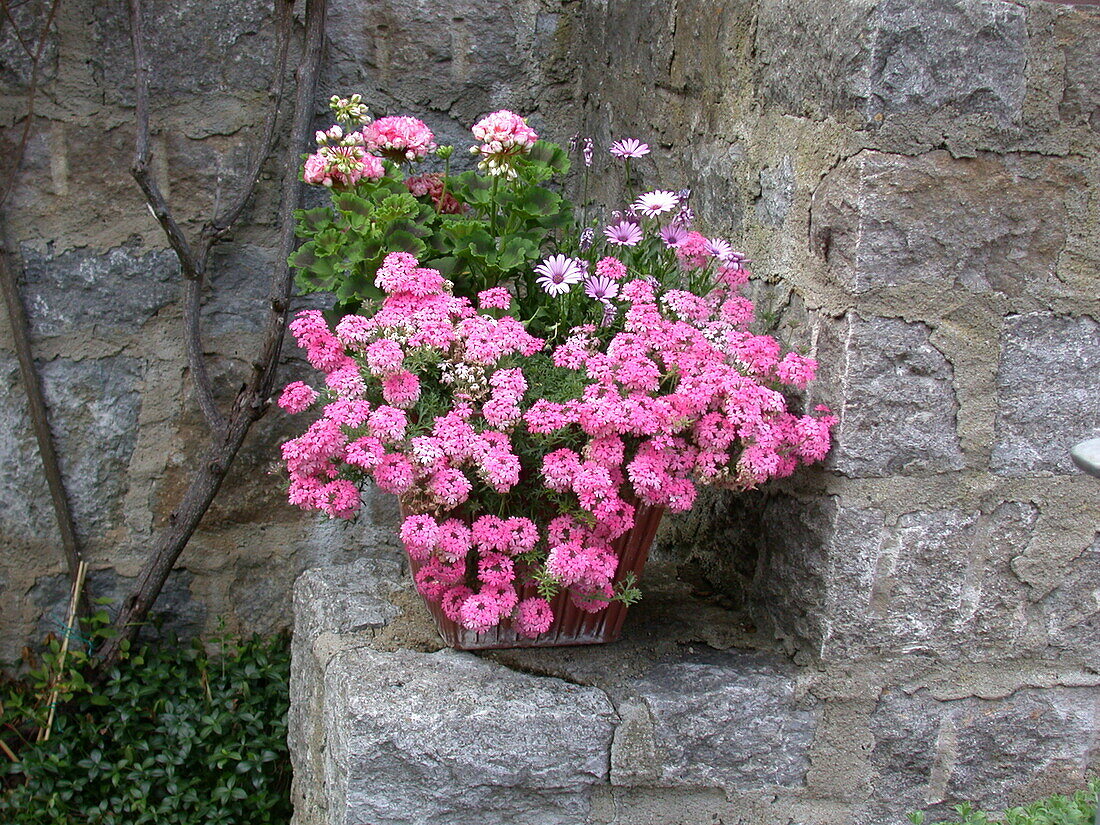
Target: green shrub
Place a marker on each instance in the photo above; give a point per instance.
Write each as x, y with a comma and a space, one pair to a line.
172, 735
1079, 809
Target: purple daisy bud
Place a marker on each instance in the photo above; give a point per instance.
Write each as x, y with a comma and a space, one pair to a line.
608, 314
588, 235
573, 141
684, 195
588, 151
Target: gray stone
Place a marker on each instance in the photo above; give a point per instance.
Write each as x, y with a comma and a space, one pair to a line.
939, 583
94, 406
932, 754
893, 392
345, 598
1048, 392
883, 220
93, 409
113, 291
813, 61
240, 283
25, 510
729, 720
776, 193
175, 613
1071, 612
950, 57
1077, 34
448, 738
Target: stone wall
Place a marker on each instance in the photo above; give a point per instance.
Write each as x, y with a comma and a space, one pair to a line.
102, 290
917, 184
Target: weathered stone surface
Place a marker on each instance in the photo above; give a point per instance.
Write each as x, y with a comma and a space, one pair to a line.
815, 62
345, 598
114, 291
94, 406
729, 720
894, 394
949, 56
940, 584
885, 220
776, 193
447, 737
997, 752
1072, 610
24, 499
176, 612
1048, 392
1076, 34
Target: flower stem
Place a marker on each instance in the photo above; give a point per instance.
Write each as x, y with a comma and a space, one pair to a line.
493, 206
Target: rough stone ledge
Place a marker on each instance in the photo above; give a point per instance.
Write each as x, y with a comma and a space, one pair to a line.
692, 717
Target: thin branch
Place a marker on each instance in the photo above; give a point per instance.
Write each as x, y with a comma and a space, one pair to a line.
220, 224
191, 266
36, 63
252, 401
40, 422
140, 168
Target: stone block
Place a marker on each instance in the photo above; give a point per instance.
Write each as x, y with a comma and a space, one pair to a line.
1076, 34
114, 291
848, 584
893, 392
950, 57
1048, 392
449, 737
729, 720
1071, 612
93, 407
984, 224
813, 60
931, 754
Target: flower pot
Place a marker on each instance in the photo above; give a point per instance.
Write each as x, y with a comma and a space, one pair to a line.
572, 625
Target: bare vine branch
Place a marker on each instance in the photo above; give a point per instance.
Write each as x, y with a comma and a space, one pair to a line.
17, 321
253, 399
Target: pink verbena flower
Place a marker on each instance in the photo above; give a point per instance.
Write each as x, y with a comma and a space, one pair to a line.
495, 568
533, 616
402, 389
496, 298
611, 267
419, 534
297, 397
399, 138
452, 600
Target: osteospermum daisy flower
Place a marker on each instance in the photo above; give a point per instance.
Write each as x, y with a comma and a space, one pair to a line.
629, 148
624, 233
656, 202
720, 249
673, 234
558, 273
601, 288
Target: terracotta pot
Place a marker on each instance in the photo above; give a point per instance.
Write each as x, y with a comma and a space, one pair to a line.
572, 626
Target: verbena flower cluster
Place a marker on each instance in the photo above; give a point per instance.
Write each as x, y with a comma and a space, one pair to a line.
523, 442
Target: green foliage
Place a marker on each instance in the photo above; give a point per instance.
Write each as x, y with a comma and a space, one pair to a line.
172, 735
1079, 809
497, 239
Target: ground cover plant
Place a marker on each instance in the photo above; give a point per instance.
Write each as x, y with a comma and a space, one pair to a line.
175, 735
1079, 809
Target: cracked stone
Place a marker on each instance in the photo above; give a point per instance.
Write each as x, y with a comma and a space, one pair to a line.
933, 754
894, 394
459, 739
1048, 392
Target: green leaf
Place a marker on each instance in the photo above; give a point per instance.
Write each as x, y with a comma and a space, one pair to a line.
551, 155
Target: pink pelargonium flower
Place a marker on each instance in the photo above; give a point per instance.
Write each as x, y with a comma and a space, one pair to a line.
399, 138
503, 135
341, 167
